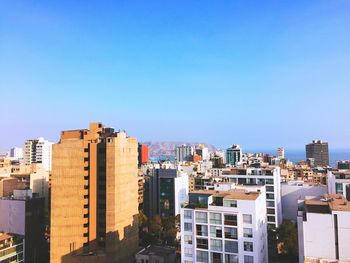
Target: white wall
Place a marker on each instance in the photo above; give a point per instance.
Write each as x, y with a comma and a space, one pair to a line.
12, 216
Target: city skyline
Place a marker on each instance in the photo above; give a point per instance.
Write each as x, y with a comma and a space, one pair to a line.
264, 76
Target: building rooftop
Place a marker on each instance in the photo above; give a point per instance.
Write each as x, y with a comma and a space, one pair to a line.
330, 202
5, 236
237, 194
157, 250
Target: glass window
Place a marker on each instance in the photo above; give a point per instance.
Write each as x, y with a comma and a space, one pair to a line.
231, 246
248, 246
202, 256
339, 188
271, 219
202, 243
269, 188
188, 252
230, 220
231, 258
188, 214
188, 227
216, 245
247, 232
270, 196
248, 259
202, 230
270, 203
247, 219
216, 257
216, 231
201, 217
230, 203
215, 218
230, 232
188, 239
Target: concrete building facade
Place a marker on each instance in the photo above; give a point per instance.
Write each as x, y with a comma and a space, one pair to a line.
94, 196
318, 152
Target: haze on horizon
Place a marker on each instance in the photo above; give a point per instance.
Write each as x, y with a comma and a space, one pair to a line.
263, 75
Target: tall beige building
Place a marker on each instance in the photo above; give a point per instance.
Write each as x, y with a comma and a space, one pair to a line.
94, 196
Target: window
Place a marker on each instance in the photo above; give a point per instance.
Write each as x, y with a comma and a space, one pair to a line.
188, 252
216, 245
215, 218
270, 203
188, 239
188, 214
270, 196
230, 220
230, 232
215, 231
248, 246
230, 203
271, 219
188, 227
269, 188
231, 258
339, 188
216, 257
231, 246
201, 217
248, 259
202, 256
247, 232
202, 230
247, 219
269, 181
270, 211
202, 243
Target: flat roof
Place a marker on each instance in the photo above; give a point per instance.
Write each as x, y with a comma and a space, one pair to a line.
330, 202
239, 194
157, 250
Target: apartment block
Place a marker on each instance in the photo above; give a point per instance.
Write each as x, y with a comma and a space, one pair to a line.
11, 248
338, 182
318, 151
184, 153
38, 151
324, 230
271, 178
233, 154
164, 192
94, 196
225, 226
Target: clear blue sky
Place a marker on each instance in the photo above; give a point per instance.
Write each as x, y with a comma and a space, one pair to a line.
259, 73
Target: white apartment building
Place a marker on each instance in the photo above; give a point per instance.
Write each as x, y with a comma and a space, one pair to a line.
225, 226
184, 153
16, 153
271, 178
338, 182
324, 230
38, 151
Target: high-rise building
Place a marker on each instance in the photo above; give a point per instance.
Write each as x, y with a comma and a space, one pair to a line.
94, 196
280, 153
38, 151
318, 150
183, 153
233, 154
143, 153
324, 229
225, 226
164, 192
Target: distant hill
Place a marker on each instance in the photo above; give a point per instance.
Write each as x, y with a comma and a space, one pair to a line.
157, 149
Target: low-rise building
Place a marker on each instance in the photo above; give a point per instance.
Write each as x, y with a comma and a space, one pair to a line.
339, 182
156, 254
